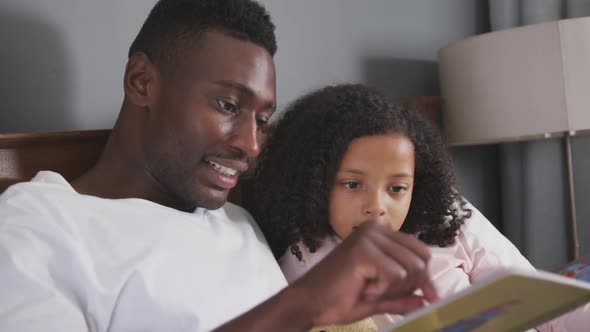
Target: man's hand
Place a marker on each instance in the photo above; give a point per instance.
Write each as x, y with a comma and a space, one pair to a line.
375, 270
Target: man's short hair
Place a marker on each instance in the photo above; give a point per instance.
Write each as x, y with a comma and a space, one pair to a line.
172, 25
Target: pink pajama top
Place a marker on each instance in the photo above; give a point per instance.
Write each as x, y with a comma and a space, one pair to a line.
479, 250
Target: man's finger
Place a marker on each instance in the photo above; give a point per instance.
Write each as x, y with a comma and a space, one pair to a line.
411, 269
429, 291
401, 305
410, 242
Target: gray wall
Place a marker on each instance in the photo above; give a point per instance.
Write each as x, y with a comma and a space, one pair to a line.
391, 44
62, 61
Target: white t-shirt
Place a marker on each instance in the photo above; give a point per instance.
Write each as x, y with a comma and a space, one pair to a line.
71, 262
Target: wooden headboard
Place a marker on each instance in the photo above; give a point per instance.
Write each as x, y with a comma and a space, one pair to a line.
72, 153
69, 153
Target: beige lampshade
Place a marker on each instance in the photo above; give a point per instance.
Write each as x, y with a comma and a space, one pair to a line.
517, 83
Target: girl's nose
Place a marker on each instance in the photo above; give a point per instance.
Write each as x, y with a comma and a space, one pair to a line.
375, 211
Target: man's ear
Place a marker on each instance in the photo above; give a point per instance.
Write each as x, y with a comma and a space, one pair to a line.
140, 80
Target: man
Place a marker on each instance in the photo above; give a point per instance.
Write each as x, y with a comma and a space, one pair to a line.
144, 241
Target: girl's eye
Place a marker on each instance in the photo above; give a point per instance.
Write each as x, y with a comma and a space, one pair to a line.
351, 184
227, 106
397, 189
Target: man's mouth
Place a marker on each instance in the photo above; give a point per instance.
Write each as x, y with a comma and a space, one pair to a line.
226, 171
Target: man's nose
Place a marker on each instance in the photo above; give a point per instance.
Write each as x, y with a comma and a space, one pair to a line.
246, 136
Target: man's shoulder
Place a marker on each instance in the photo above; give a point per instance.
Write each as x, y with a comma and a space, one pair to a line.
42, 181
34, 195
40, 208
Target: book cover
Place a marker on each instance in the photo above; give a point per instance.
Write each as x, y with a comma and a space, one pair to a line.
510, 300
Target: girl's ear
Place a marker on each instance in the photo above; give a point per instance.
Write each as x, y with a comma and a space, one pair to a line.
140, 80
296, 251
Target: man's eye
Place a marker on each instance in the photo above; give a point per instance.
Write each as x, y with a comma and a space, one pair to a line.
261, 122
227, 106
351, 184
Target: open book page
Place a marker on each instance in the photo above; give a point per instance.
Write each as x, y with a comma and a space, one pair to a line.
365, 325
511, 300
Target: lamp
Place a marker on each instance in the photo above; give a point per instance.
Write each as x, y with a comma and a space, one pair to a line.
520, 83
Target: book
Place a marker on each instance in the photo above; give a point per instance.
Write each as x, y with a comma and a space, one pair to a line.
509, 300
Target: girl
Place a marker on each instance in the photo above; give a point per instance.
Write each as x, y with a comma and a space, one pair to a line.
344, 155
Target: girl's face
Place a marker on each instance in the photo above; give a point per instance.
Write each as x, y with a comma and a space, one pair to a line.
373, 184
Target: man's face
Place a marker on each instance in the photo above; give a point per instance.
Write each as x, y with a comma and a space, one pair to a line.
207, 120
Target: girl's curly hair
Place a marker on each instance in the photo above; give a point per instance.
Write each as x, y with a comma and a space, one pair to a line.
298, 164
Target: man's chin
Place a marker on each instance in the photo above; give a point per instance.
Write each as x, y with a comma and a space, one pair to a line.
213, 205
212, 200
